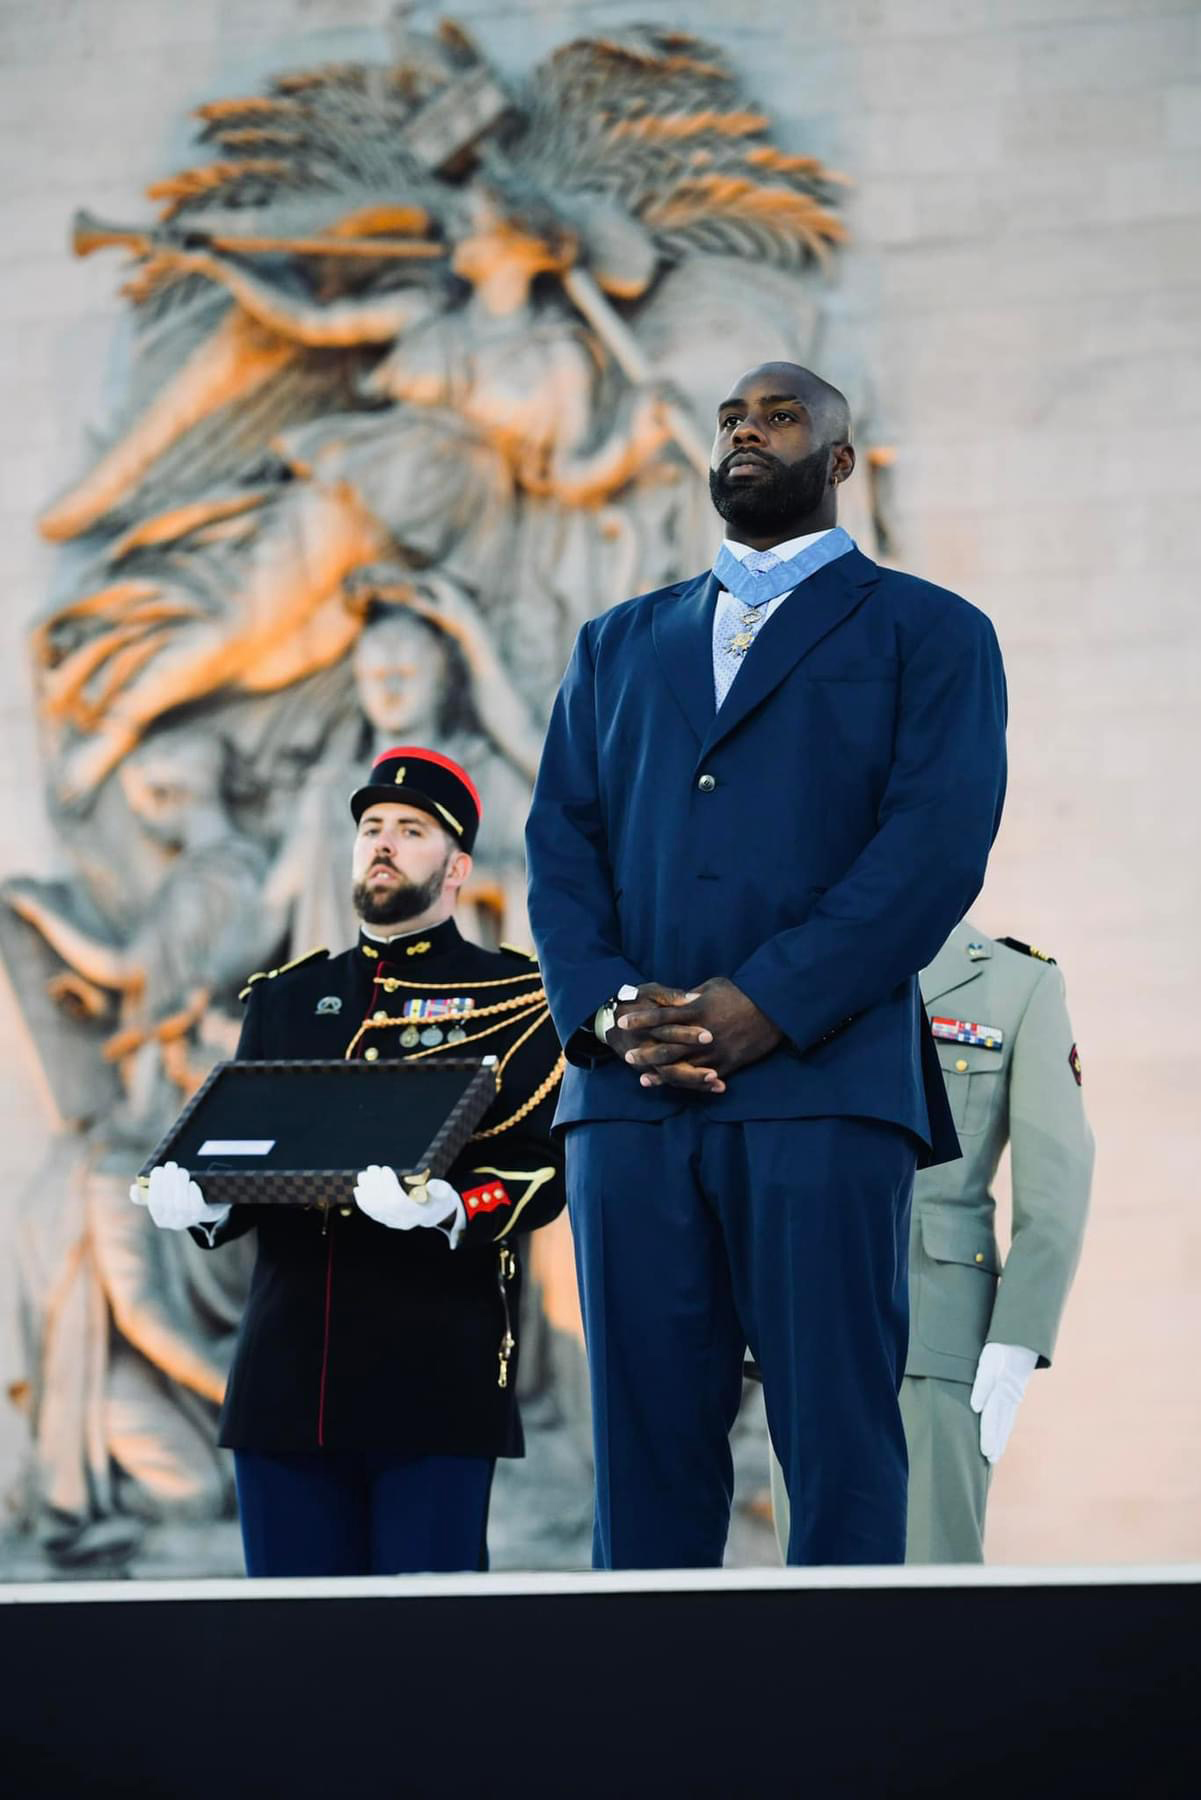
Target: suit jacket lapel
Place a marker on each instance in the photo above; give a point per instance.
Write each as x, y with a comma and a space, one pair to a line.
682, 631
807, 616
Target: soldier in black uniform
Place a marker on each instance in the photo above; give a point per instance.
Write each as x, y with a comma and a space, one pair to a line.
373, 1385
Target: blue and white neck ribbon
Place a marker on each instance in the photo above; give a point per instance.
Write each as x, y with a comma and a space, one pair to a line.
755, 587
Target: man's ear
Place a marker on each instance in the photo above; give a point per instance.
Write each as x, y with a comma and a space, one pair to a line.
842, 463
458, 869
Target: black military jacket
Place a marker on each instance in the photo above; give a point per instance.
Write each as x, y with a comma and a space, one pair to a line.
359, 1336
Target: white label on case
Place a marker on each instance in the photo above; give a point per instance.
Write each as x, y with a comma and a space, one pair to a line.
236, 1147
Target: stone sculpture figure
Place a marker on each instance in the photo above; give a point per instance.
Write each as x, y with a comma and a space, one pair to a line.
426, 671
417, 359
629, 154
128, 1338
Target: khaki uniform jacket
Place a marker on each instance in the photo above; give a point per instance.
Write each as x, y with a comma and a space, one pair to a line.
1026, 1093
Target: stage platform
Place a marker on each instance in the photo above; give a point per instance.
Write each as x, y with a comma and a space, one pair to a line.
678, 1685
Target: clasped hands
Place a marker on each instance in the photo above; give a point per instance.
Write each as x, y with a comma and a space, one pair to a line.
691, 1038
175, 1202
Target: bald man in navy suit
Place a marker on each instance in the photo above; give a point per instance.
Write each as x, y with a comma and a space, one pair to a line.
767, 796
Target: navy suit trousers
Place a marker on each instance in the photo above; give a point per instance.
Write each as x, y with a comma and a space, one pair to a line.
696, 1239
362, 1512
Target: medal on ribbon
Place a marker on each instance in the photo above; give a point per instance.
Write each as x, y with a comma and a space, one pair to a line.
433, 1019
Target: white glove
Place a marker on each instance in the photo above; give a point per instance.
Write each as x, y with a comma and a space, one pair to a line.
174, 1201
382, 1197
1001, 1377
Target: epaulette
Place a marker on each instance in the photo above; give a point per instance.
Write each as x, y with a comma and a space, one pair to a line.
522, 955
1026, 949
297, 962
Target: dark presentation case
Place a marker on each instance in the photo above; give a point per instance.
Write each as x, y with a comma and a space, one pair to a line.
298, 1133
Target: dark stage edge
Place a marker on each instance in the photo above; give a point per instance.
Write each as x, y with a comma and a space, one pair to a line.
861, 1682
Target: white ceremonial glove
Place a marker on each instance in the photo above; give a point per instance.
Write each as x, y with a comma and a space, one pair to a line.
174, 1201
382, 1197
1001, 1377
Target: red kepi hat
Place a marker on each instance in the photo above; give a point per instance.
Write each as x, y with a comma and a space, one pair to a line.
426, 779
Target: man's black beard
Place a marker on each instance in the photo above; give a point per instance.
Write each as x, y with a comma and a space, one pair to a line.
761, 505
391, 906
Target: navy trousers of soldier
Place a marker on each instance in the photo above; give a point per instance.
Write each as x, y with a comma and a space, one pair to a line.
696, 1239
358, 1512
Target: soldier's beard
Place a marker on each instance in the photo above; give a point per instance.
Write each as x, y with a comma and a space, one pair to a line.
407, 900
788, 495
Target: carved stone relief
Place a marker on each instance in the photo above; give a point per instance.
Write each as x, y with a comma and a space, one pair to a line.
423, 371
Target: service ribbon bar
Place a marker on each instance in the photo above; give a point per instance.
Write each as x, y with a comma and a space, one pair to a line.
453, 1006
959, 1031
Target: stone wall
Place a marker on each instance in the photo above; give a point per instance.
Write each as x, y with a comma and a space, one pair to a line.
1025, 281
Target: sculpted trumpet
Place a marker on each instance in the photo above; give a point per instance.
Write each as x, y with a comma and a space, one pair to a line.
90, 233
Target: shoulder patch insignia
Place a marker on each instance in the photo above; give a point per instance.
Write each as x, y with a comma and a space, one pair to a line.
1026, 949
1074, 1065
297, 962
516, 950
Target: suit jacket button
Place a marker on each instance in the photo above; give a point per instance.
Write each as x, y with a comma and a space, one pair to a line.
707, 783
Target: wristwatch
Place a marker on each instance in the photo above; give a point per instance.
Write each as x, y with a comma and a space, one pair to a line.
606, 1016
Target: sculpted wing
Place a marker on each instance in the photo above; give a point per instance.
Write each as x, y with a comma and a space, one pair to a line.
657, 124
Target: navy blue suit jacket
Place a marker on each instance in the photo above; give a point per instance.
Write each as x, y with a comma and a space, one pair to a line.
858, 774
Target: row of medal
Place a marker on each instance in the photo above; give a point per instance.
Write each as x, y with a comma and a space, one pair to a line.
427, 1013
965, 1031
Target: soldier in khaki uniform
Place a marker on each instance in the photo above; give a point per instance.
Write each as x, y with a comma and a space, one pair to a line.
1000, 1020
